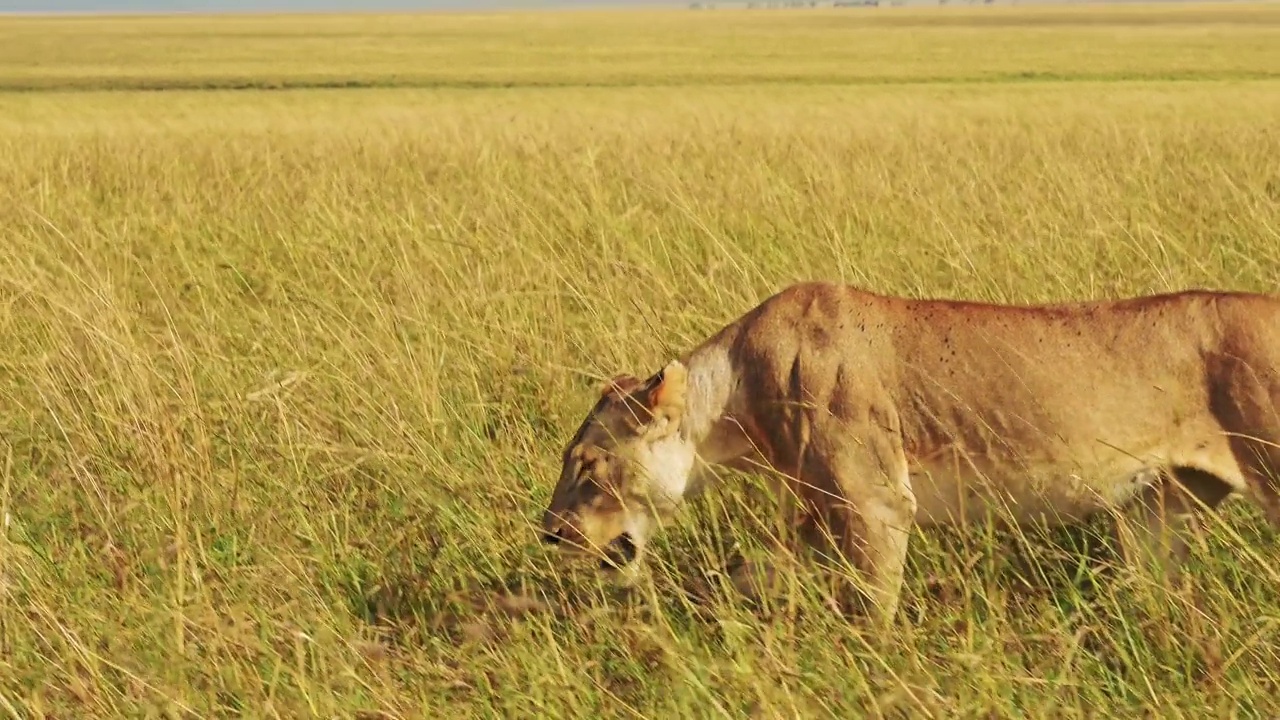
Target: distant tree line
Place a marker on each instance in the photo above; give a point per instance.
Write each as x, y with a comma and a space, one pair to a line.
775, 4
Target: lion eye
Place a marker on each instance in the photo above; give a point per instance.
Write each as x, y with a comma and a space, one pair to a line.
587, 474
593, 466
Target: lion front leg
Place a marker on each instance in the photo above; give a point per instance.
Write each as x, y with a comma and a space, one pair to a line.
788, 540
856, 484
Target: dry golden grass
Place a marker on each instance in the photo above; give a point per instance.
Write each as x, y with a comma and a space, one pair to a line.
842, 46
286, 375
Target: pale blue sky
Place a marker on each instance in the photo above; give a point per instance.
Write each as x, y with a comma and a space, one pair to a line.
240, 5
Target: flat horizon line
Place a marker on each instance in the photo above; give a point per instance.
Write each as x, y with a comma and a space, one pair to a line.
460, 8
610, 5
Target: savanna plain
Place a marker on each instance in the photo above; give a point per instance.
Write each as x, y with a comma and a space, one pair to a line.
297, 313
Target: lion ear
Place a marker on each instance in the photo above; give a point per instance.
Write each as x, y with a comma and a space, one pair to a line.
622, 384
664, 393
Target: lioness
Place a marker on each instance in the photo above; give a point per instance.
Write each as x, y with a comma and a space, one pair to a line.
882, 411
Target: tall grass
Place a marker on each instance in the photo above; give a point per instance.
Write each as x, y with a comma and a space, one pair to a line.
285, 376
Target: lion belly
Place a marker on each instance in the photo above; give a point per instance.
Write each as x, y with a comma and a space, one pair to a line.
952, 487
1047, 494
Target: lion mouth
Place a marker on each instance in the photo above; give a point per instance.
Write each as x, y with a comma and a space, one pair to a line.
619, 553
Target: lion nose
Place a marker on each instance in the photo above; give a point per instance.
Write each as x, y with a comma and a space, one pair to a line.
552, 538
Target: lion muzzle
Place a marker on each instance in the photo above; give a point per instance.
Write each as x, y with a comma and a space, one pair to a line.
620, 553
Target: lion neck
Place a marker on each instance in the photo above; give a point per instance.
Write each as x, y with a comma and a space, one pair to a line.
705, 420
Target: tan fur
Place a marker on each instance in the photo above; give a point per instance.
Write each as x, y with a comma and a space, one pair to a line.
884, 412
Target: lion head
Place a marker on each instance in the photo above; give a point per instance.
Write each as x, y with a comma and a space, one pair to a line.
626, 467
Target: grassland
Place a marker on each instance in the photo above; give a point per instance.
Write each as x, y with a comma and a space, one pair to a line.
285, 375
